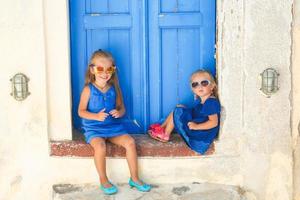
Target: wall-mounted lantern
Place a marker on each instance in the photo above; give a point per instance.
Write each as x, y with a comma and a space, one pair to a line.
19, 85
269, 81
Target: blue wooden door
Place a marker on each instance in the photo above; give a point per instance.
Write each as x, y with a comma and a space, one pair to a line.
114, 26
181, 40
156, 45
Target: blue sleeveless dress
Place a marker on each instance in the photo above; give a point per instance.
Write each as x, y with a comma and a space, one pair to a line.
111, 126
197, 140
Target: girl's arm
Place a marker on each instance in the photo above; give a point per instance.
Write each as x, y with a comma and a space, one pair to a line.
212, 122
121, 109
83, 113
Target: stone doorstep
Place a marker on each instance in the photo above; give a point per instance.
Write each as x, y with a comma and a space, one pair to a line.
187, 191
146, 147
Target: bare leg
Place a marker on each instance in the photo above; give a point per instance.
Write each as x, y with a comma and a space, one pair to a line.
99, 147
168, 124
167, 120
128, 143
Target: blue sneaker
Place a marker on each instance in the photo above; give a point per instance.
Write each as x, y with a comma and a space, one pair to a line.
111, 190
143, 188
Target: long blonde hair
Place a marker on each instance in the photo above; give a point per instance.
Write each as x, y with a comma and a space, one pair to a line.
90, 78
212, 79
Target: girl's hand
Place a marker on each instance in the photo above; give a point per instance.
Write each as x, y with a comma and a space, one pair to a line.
115, 113
101, 116
192, 125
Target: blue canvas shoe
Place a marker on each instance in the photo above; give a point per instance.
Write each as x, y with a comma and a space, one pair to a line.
143, 188
110, 190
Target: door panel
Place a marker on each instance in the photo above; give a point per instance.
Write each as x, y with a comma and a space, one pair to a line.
179, 6
110, 25
108, 6
181, 40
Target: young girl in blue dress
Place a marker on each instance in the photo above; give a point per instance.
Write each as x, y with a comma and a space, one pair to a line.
101, 108
198, 125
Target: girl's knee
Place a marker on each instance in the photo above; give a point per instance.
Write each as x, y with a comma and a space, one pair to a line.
100, 147
130, 143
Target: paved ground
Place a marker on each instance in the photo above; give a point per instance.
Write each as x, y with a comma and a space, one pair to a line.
192, 191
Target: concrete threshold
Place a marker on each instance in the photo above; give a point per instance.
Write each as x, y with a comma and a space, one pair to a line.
188, 191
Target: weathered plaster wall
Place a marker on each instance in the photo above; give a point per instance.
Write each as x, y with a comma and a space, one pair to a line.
267, 154
23, 125
255, 148
296, 97
256, 35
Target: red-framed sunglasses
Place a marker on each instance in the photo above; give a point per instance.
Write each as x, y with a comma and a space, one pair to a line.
99, 69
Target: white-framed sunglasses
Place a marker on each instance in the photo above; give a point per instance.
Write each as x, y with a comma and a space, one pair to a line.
203, 83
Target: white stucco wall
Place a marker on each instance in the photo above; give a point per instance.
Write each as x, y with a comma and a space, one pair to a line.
23, 125
267, 133
56, 23
296, 97
255, 148
259, 37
